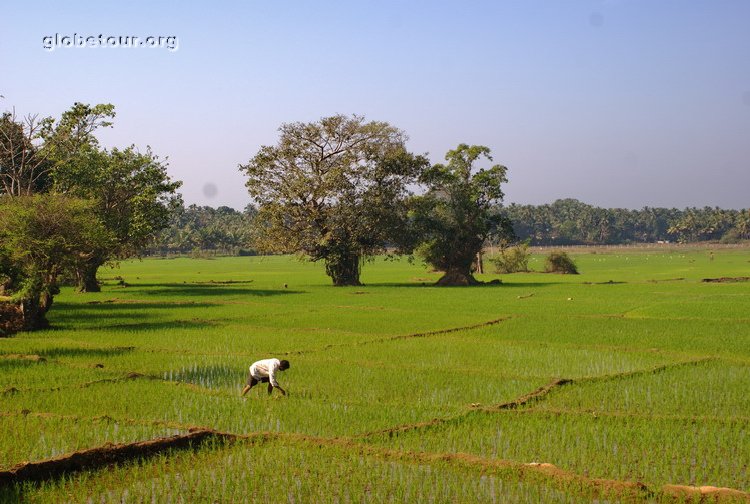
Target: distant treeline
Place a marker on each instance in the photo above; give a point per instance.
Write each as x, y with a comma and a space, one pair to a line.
572, 222
200, 229
224, 230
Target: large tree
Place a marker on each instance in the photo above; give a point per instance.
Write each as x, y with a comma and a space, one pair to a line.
132, 196
455, 216
131, 191
42, 237
334, 190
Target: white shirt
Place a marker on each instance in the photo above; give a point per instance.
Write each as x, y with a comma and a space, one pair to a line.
266, 368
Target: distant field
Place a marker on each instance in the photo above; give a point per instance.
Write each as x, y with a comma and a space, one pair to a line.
629, 378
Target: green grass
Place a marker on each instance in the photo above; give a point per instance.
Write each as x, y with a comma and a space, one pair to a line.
395, 352
288, 472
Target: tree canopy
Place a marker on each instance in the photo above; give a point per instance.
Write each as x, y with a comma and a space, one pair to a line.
70, 206
32, 147
455, 216
132, 197
42, 236
334, 190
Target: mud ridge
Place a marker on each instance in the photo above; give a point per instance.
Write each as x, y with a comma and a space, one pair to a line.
633, 414
105, 455
142, 301
104, 418
129, 376
108, 454
222, 282
531, 397
640, 372
386, 339
543, 391
543, 472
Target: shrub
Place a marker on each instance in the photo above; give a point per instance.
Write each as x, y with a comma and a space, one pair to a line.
513, 259
732, 236
559, 262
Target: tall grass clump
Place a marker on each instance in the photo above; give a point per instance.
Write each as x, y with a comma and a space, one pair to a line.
559, 262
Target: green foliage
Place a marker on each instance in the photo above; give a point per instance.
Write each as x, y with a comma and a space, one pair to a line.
31, 148
222, 230
512, 259
569, 221
334, 190
132, 195
41, 237
454, 218
560, 262
131, 192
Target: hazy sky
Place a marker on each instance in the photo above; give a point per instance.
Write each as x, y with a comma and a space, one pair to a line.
617, 103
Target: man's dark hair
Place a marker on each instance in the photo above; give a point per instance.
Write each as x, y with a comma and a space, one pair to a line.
284, 365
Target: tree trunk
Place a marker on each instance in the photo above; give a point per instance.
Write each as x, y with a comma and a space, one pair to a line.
479, 263
343, 269
33, 313
457, 276
86, 274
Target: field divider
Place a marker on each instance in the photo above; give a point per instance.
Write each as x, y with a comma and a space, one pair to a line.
127, 377
102, 456
104, 418
534, 396
385, 339
542, 392
109, 454
632, 414
382, 339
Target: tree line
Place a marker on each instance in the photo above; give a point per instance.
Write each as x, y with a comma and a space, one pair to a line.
224, 230
198, 230
571, 222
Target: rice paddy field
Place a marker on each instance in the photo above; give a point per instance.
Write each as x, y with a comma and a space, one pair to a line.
627, 383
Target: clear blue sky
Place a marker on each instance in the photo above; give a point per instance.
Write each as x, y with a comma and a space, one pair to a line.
617, 103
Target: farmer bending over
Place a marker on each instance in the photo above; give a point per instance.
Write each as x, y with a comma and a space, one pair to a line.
264, 371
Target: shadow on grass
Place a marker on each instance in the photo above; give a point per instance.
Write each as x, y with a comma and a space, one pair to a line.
10, 493
124, 316
483, 286
8, 364
162, 325
201, 290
